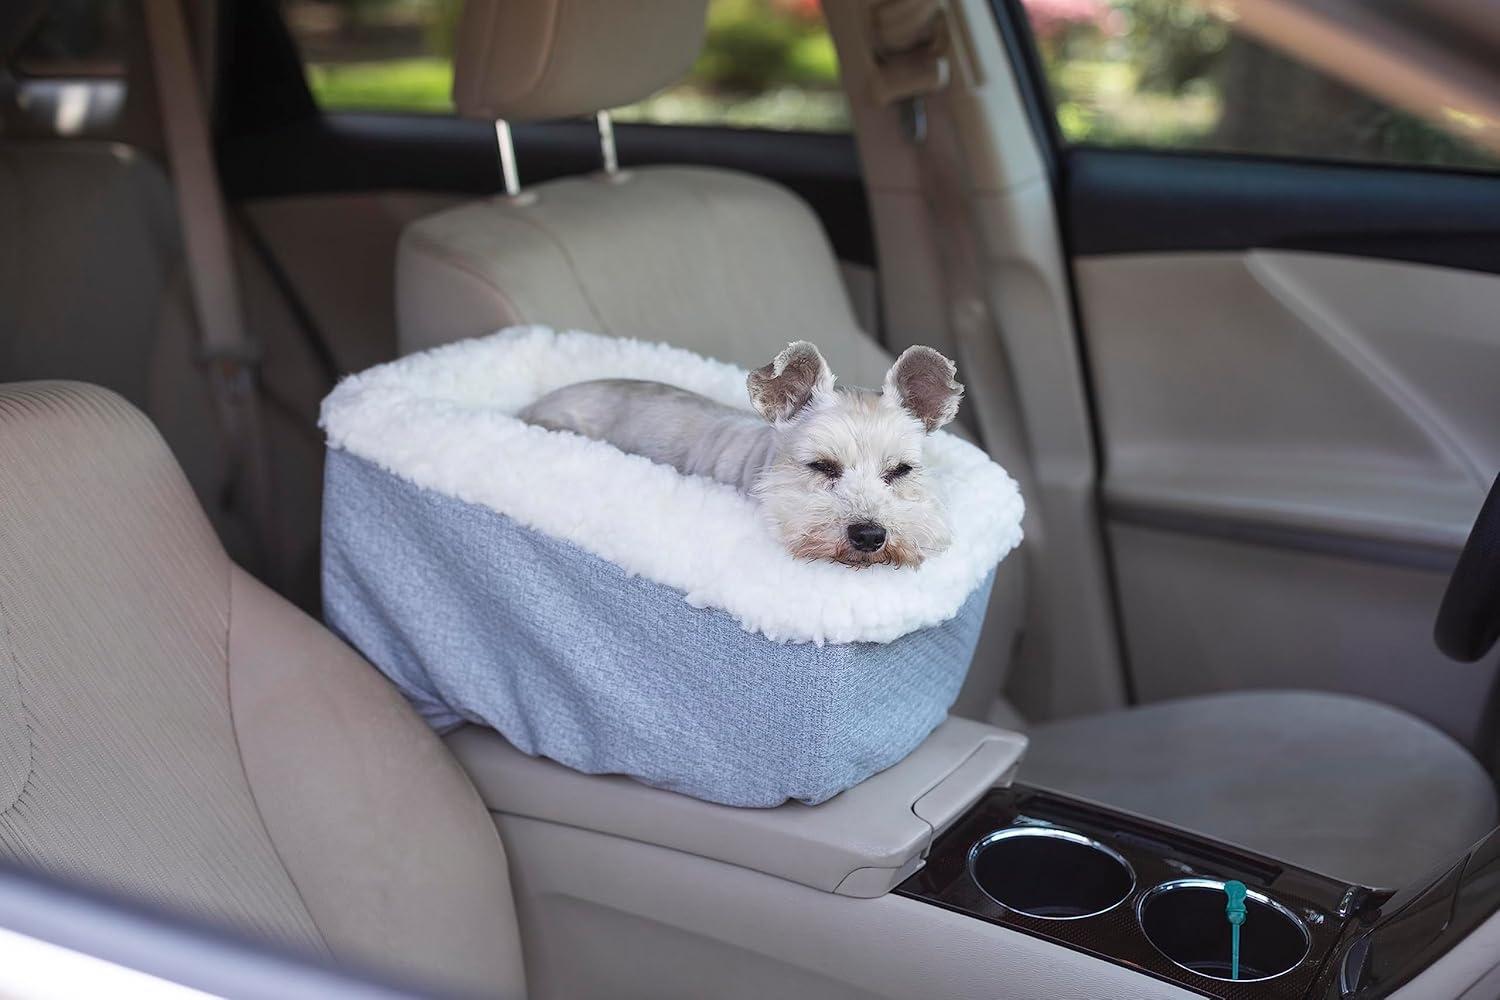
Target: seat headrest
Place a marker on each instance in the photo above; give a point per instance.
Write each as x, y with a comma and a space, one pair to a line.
524, 60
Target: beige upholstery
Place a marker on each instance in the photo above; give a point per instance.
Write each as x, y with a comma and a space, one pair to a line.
88, 232
530, 59
1344, 786
172, 730
715, 261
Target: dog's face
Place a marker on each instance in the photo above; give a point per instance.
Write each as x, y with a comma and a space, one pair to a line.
848, 483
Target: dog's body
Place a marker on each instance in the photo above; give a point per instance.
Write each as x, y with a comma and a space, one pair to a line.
838, 471
692, 433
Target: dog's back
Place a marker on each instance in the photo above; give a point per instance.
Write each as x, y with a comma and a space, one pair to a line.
690, 432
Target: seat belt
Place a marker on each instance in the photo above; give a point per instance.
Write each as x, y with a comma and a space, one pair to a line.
916, 51
230, 357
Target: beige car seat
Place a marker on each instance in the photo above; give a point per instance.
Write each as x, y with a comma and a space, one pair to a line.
173, 731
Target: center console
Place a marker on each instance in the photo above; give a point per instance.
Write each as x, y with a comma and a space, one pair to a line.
1152, 898
1139, 894
933, 878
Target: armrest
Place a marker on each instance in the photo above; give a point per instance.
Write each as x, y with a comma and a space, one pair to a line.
861, 842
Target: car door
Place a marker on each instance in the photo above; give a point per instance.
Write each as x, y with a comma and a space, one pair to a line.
1287, 292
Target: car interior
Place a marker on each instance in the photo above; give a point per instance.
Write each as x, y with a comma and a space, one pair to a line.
1246, 395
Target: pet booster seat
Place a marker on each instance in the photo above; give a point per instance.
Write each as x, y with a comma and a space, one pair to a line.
616, 616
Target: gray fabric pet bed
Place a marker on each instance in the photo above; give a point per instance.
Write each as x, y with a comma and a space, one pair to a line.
561, 591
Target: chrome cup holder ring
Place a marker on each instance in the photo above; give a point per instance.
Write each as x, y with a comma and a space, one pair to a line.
1050, 873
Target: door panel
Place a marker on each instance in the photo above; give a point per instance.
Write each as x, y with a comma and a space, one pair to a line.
1204, 613
1294, 441
1306, 391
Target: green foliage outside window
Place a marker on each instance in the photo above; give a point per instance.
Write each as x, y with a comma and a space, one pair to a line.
765, 63
1171, 74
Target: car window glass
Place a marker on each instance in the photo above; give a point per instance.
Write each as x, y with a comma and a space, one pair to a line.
765, 63
1176, 75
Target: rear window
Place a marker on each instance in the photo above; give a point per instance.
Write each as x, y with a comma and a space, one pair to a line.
765, 63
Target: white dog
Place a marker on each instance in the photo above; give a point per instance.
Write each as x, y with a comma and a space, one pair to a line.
837, 470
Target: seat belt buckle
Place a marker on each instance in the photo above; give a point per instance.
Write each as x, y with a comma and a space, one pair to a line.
232, 384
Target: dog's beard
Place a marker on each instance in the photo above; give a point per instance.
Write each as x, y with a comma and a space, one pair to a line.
813, 521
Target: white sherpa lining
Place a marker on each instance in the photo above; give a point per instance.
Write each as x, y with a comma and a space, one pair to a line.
444, 420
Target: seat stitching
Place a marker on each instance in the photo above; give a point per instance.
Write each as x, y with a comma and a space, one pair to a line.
486, 61
549, 47
562, 248
436, 250
688, 182
234, 732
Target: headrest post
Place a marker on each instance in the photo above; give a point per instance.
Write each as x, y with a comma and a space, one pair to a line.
508, 170
607, 143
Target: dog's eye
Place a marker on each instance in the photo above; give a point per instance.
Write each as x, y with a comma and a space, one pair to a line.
891, 475
826, 467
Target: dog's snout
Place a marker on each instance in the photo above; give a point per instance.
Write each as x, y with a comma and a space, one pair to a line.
866, 536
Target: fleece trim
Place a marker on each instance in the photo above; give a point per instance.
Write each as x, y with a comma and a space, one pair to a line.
445, 420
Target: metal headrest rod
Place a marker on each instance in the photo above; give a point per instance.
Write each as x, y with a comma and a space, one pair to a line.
508, 172
607, 142
608, 155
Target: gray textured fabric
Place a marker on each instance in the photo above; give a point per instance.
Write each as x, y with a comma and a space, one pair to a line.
479, 619
1341, 785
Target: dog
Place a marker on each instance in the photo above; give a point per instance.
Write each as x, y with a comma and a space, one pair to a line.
837, 471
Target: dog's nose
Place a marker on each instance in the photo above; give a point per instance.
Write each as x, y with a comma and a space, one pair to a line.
866, 536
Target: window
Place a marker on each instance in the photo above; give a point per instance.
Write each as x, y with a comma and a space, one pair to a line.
765, 63
1172, 74
377, 55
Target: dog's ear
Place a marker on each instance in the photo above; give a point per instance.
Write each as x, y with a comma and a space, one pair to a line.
782, 388
922, 383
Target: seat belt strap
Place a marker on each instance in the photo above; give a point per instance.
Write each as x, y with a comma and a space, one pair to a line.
230, 356
916, 51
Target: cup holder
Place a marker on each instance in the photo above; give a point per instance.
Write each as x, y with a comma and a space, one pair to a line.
1185, 921
1050, 873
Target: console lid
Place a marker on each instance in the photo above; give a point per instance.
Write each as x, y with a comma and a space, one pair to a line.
861, 842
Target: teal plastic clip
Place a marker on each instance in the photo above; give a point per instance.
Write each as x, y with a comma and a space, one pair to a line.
1235, 911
